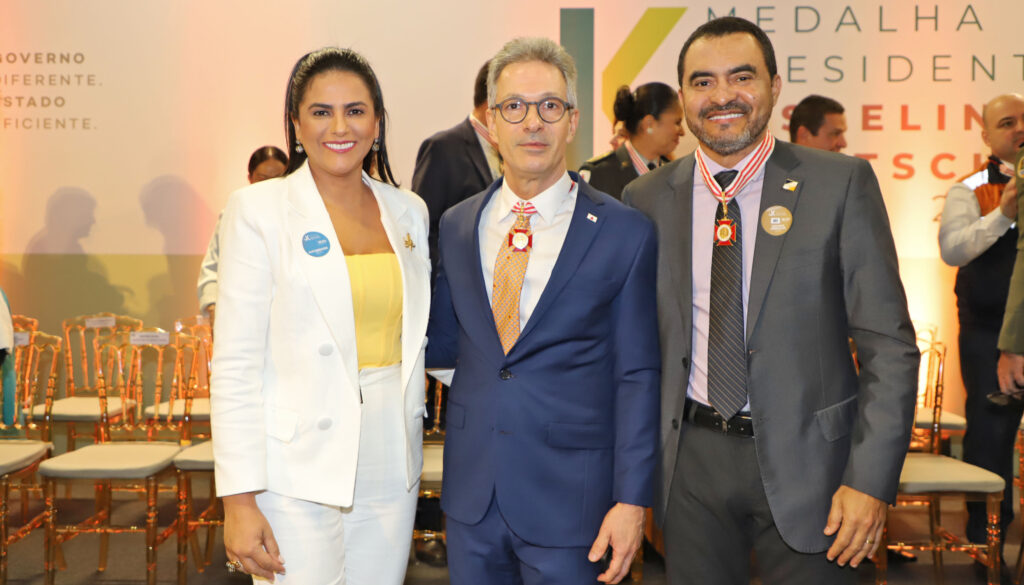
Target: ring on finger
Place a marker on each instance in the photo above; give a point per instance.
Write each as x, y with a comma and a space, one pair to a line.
869, 541
235, 567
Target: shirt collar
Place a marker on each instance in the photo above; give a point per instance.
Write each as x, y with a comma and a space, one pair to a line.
642, 158
547, 202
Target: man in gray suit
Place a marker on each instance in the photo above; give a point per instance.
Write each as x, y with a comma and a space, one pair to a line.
771, 439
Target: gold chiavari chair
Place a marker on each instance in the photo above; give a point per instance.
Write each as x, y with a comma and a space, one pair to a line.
20, 456
134, 463
80, 405
928, 476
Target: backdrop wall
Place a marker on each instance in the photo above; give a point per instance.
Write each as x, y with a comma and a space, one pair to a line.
125, 125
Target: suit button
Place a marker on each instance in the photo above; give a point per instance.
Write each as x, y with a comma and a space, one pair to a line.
505, 374
686, 362
326, 349
675, 424
324, 424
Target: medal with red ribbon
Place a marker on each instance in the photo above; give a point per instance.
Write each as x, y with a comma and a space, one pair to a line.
725, 228
638, 163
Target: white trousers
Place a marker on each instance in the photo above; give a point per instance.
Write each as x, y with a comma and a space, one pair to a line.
367, 543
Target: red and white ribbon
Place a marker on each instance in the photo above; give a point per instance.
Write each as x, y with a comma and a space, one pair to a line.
753, 166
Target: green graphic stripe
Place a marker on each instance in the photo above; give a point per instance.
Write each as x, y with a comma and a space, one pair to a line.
577, 36
648, 34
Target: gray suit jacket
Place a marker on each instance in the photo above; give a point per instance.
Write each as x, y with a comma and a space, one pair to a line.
833, 275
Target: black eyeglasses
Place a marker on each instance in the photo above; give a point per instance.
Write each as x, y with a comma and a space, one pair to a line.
550, 110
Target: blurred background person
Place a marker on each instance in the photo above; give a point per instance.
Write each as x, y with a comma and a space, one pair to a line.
818, 122
456, 163
317, 389
977, 235
267, 162
653, 121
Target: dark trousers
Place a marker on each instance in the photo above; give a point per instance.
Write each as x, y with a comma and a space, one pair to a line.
489, 553
991, 429
718, 513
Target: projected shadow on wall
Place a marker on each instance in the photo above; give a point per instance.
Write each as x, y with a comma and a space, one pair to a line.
64, 280
174, 208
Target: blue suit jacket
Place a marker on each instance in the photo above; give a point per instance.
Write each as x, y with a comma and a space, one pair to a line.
565, 425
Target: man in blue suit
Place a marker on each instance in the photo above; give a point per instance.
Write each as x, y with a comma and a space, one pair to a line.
545, 305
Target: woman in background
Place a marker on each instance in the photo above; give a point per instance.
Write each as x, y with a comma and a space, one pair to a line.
318, 382
653, 122
267, 162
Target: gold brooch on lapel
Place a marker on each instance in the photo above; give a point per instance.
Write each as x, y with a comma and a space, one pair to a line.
790, 185
408, 242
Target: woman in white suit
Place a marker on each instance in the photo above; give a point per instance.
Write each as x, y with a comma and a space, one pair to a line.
318, 383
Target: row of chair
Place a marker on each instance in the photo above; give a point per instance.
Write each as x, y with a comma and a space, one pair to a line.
112, 365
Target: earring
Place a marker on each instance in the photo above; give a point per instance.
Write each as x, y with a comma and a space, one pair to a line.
376, 144
650, 130
298, 147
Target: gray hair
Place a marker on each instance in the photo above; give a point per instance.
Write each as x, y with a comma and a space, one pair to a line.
523, 49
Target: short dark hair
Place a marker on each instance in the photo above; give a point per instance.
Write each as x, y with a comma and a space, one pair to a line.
810, 114
480, 86
728, 25
265, 153
335, 59
650, 98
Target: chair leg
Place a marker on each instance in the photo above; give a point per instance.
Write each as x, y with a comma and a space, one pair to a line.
50, 538
183, 528
882, 557
103, 510
5, 491
992, 502
934, 522
151, 530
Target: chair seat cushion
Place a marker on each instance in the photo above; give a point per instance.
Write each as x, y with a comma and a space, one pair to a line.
926, 472
950, 421
200, 409
433, 463
80, 408
112, 460
19, 454
196, 458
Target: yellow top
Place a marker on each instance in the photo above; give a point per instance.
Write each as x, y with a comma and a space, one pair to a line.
377, 305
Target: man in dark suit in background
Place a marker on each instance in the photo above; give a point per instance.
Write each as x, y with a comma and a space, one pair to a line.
456, 163
772, 441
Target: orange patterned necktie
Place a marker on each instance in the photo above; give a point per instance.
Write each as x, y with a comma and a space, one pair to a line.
509, 270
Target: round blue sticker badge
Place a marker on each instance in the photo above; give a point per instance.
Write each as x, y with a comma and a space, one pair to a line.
315, 244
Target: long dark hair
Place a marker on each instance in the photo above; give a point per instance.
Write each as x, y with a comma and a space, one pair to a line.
335, 59
650, 98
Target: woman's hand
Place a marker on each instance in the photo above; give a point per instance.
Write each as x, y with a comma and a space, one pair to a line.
248, 538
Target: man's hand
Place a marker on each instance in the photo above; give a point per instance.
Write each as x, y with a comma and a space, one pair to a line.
623, 530
248, 538
859, 520
1008, 201
1010, 371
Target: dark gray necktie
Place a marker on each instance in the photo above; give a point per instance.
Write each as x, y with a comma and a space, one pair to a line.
727, 362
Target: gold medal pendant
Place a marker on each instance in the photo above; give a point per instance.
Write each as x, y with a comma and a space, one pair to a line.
520, 240
725, 232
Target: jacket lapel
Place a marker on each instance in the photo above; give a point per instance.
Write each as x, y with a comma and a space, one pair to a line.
577, 241
476, 153
680, 257
778, 173
480, 324
398, 224
327, 275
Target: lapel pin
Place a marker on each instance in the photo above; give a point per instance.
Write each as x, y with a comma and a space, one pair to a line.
408, 242
790, 185
592, 217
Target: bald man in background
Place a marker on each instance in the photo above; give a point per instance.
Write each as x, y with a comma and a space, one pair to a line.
977, 234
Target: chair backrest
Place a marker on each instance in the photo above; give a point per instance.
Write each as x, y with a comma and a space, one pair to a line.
82, 337
199, 326
929, 394
24, 331
39, 358
173, 369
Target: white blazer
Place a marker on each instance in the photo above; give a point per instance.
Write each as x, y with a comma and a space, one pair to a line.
285, 387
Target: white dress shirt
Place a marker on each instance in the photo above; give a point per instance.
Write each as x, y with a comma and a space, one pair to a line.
964, 234
549, 226
704, 207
